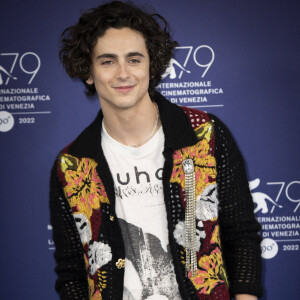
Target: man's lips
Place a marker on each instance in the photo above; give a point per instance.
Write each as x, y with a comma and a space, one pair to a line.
124, 89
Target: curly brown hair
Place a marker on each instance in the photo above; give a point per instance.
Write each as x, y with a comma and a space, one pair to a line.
78, 41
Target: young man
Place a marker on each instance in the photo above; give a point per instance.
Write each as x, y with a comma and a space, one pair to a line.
151, 201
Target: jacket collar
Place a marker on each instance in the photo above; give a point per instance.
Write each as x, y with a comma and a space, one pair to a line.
177, 129
176, 124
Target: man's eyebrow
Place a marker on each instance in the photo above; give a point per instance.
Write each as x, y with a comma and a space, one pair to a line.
106, 55
111, 55
135, 54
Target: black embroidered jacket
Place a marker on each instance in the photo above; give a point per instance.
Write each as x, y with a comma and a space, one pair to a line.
89, 245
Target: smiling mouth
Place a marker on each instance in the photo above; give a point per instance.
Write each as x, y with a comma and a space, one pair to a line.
124, 89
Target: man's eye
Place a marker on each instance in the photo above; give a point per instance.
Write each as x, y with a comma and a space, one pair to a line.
134, 61
107, 62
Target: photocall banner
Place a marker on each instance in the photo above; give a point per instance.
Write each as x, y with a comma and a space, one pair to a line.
236, 59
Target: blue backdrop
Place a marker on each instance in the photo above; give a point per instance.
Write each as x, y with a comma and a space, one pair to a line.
237, 59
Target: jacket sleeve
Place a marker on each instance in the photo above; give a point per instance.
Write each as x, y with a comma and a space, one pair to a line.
72, 276
238, 227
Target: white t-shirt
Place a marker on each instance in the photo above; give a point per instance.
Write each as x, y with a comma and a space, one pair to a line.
140, 208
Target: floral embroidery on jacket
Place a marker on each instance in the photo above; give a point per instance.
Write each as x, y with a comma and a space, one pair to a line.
210, 272
99, 254
84, 227
179, 234
84, 189
207, 203
204, 163
205, 130
215, 238
85, 192
96, 284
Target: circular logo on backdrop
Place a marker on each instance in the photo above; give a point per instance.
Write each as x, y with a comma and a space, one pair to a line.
269, 248
6, 121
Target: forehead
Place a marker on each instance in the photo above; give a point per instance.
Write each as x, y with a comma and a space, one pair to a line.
120, 41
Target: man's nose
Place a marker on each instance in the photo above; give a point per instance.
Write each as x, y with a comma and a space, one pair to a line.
122, 72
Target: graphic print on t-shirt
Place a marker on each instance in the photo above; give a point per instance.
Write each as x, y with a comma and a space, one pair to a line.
127, 186
151, 262
140, 208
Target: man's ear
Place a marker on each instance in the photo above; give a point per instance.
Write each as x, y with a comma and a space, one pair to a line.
90, 80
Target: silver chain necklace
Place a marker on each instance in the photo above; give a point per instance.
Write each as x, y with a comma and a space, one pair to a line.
152, 132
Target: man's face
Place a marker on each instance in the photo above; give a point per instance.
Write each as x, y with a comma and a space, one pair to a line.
120, 69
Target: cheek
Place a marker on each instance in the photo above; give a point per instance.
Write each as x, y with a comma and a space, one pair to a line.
144, 75
102, 78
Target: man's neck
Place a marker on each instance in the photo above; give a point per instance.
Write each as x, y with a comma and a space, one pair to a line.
132, 126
